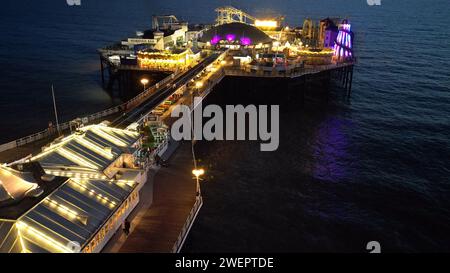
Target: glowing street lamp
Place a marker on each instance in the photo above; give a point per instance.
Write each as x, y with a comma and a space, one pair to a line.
197, 173
198, 84
144, 82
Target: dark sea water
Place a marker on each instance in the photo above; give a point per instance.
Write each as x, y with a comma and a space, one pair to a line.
375, 167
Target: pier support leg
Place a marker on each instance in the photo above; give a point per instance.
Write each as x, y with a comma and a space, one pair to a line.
350, 83
305, 88
344, 73
328, 79
346, 78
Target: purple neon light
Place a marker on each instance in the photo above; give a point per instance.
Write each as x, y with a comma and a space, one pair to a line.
343, 45
246, 41
215, 39
230, 37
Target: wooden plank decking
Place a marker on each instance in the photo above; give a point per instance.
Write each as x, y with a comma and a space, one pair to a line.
174, 197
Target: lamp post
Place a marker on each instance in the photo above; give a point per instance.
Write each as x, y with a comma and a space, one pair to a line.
144, 82
197, 173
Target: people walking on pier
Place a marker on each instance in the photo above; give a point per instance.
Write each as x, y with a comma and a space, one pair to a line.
126, 227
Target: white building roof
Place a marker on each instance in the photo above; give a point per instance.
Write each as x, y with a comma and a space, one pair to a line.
95, 147
72, 213
72, 209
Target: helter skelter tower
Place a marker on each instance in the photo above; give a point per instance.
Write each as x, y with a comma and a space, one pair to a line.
343, 47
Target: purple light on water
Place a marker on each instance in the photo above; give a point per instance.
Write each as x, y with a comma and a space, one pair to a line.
246, 41
230, 37
331, 151
215, 39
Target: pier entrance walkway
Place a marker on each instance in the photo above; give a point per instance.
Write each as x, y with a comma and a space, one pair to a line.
156, 228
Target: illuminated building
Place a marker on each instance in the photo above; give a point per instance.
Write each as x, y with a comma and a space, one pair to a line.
168, 33
166, 60
74, 195
194, 32
328, 32
316, 56
234, 36
343, 48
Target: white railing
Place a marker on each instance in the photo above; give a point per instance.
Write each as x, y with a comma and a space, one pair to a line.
213, 81
188, 224
63, 126
291, 71
7, 146
162, 146
141, 179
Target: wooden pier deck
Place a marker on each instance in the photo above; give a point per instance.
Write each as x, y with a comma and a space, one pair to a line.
159, 226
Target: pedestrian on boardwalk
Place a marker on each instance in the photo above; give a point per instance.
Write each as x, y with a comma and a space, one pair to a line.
126, 227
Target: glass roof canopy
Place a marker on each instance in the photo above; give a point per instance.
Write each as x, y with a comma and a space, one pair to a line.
82, 206
72, 213
94, 148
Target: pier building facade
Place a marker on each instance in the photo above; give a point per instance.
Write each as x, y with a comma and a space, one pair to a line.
167, 60
235, 36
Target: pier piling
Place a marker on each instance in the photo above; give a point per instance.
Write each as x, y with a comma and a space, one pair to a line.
349, 90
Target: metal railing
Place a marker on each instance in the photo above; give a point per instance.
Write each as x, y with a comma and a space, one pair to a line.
188, 224
212, 81
142, 96
292, 71
63, 126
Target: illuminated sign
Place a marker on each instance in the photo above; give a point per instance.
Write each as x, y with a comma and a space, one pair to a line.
266, 23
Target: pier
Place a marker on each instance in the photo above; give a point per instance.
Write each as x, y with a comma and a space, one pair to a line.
111, 160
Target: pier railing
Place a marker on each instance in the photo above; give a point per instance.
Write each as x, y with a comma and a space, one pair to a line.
52, 131
292, 71
188, 224
142, 96
213, 81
